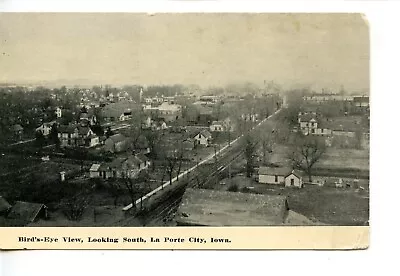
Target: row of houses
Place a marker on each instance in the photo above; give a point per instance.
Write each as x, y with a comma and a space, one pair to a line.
311, 123
126, 167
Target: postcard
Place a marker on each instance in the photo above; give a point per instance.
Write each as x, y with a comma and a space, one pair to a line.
184, 131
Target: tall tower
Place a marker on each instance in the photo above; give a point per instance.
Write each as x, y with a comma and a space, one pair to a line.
140, 94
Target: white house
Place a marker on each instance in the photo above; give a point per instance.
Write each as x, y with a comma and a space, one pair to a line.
270, 175
203, 138
294, 179
58, 112
280, 176
45, 128
217, 126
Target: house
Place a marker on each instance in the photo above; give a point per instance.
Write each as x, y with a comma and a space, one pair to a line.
310, 124
203, 207
158, 124
169, 112
88, 118
127, 167
28, 212
294, 179
45, 128
280, 176
119, 111
217, 126
202, 137
271, 175
142, 145
77, 136
58, 112
116, 143
17, 130
4, 206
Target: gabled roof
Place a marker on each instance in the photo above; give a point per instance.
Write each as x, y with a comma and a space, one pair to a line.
95, 167
4, 205
205, 133
83, 130
220, 123
297, 173
25, 211
280, 171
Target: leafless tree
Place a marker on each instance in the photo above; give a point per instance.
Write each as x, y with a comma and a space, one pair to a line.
75, 205
305, 153
249, 152
267, 143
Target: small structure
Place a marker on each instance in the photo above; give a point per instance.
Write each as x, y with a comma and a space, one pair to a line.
4, 206
116, 143
280, 176
28, 212
271, 175
45, 128
217, 126
62, 176
94, 171
203, 138
201, 207
294, 179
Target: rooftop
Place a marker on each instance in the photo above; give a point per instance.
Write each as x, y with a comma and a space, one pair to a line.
25, 211
221, 208
281, 171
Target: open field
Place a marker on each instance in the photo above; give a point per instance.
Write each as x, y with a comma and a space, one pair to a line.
333, 158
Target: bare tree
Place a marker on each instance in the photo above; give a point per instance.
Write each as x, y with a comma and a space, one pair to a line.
249, 152
305, 153
75, 205
267, 144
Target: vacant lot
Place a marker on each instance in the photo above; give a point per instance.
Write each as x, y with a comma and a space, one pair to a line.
333, 158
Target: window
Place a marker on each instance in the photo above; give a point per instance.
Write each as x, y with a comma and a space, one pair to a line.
276, 178
312, 130
312, 124
292, 182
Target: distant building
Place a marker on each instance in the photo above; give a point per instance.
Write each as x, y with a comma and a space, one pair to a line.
45, 128
217, 126
77, 136
119, 111
58, 112
361, 101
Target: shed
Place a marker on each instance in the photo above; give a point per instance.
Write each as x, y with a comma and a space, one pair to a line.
294, 179
94, 171
4, 206
200, 207
27, 211
273, 175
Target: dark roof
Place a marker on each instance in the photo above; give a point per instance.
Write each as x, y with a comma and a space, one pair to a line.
25, 211
4, 205
281, 171
142, 142
67, 128
221, 208
205, 133
83, 130
307, 117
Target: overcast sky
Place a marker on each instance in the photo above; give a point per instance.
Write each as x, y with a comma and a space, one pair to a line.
206, 49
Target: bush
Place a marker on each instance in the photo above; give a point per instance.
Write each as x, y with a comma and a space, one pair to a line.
233, 188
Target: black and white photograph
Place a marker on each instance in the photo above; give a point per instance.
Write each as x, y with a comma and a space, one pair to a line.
184, 119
